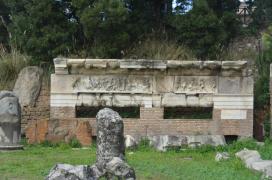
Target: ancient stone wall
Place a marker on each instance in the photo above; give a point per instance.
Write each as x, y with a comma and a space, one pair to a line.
37, 125
153, 85
35, 117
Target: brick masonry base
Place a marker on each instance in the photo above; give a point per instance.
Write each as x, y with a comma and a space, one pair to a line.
151, 123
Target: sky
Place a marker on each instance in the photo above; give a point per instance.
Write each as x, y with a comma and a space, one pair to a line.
174, 3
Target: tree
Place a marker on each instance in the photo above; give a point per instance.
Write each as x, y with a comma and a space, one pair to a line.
104, 26
208, 27
262, 12
42, 29
5, 35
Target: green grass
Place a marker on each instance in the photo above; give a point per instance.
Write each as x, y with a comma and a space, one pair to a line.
35, 162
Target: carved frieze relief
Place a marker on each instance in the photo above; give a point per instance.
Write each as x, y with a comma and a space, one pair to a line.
114, 84
195, 84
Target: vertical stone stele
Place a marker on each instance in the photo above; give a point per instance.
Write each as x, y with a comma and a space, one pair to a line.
10, 121
110, 154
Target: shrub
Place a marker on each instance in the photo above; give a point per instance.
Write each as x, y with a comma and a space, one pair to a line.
261, 93
144, 144
10, 66
153, 48
74, 143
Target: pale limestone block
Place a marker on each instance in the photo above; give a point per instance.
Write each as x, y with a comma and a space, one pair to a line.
142, 64
233, 114
173, 100
122, 100
229, 85
61, 66
164, 84
233, 102
192, 101
173, 64
236, 65
205, 100
156, 100
90, 99
247, 85
212, 64
147, 101
191, 64
64, 100
106, 100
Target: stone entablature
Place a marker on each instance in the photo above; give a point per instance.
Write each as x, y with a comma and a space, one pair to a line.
227, 86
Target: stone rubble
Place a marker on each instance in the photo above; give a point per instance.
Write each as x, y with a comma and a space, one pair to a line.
221, 156
253, 160
162, 142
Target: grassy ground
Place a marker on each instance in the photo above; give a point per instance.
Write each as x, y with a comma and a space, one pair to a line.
35, 162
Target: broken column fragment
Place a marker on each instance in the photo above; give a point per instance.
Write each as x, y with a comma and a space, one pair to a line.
110, 153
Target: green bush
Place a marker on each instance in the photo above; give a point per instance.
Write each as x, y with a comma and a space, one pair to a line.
144, 144
10, 66
74, 143
160, 49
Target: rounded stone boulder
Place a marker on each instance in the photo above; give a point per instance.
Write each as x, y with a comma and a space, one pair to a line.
10, 121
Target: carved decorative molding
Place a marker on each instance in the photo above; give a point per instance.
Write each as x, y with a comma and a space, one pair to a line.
195, 84
113, 84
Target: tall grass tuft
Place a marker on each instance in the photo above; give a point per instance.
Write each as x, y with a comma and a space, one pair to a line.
159, 50
10, 65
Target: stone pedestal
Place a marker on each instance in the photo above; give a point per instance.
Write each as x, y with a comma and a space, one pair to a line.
10, 121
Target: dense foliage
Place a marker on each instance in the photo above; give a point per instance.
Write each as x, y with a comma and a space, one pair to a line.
107, 28
208, 27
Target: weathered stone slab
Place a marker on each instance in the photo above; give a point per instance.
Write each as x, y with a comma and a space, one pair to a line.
233, 101
195, 84
247, 85
61, 66
164, 84
252, 160
142, 64
162, 142
236, 65
173, 100
28, 85
205, 100
229, 85
192, 101
233, 114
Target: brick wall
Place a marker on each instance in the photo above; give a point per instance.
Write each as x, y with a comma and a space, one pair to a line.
151, 122
40, 110
35, 118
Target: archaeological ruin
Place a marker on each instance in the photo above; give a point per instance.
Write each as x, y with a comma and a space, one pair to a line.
154, 97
